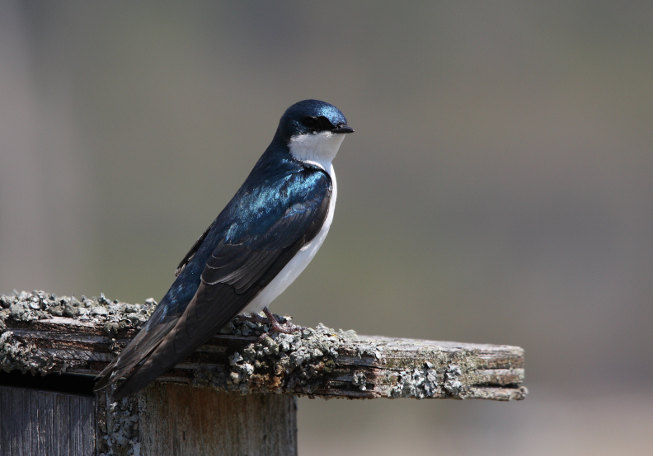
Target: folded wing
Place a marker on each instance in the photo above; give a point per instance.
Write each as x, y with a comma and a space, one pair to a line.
248, 255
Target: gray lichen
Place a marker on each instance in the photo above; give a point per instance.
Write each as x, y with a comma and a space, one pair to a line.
16, 355
452, 383
38, 305
360, 380
419, 382
118, 426
282, 362
26, 307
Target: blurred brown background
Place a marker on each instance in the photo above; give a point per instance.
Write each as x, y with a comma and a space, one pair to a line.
499, 187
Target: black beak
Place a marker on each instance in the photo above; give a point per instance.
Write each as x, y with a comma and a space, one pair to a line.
342, 129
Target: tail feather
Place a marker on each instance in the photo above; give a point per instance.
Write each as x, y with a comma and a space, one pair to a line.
138, 350
159, 361
201, 319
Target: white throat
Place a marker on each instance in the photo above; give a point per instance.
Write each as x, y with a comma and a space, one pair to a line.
316, 148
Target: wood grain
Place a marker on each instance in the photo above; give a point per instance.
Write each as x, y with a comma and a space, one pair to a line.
318, 362
234, 395
35, 422
203, 422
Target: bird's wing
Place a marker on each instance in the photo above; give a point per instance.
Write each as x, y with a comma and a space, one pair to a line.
193, 250
246, 259
139, 347
162, 320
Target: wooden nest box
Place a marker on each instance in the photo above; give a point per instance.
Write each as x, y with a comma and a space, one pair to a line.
234, 395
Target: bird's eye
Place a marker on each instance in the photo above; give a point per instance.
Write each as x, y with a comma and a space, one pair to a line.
310, 122
323, 123
320, 123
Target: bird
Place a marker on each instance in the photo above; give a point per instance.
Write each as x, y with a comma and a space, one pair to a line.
256, 247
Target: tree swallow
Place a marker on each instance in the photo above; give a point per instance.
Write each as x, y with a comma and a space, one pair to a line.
258, 245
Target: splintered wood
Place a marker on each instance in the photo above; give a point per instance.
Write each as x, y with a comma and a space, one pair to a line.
316, 362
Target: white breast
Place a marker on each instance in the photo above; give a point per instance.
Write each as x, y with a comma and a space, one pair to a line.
318, 149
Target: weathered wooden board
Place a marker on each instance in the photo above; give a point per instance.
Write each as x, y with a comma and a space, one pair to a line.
201, 422
169, 419
34, 422
242, 400
316, 362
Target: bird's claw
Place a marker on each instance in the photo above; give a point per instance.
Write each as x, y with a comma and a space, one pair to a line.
276, 327
273, 324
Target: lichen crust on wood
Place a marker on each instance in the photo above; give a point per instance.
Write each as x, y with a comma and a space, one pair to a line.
41, 333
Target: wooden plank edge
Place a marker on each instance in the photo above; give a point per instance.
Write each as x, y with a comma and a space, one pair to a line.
318, 362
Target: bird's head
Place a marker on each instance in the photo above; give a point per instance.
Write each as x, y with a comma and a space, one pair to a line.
313, 131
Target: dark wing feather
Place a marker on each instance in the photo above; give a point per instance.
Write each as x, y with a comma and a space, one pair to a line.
139, 347
193, 250
243, 265
234, 274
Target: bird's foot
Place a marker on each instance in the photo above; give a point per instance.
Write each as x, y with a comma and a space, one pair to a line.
276, 327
